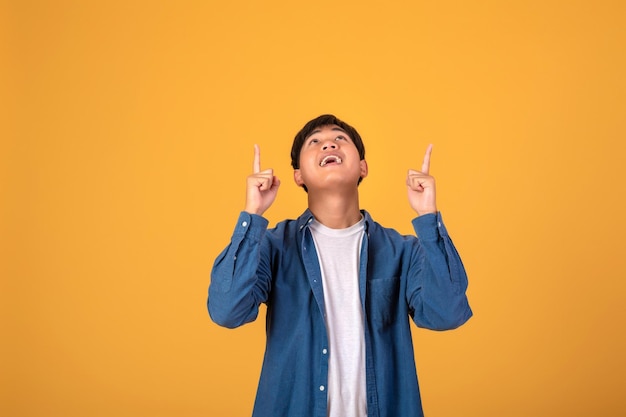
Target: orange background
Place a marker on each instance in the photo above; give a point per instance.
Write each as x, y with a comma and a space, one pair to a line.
129, 133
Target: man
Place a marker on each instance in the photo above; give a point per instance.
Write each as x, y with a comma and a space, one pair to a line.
339, 288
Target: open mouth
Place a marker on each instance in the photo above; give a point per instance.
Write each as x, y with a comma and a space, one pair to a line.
330, 159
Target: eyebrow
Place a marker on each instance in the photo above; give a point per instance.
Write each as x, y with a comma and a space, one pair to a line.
337, 129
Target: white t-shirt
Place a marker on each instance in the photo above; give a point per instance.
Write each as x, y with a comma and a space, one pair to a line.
338, 251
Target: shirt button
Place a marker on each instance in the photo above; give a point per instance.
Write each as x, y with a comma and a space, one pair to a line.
322, 388
324, 351
244, 224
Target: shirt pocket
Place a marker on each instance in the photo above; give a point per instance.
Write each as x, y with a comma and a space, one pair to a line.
383, 300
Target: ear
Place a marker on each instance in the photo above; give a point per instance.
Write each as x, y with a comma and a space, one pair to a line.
297, 177
363, 164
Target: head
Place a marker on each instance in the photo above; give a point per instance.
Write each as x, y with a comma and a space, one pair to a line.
320, 122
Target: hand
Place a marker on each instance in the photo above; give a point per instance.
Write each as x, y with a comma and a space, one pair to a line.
421, 187
261, 187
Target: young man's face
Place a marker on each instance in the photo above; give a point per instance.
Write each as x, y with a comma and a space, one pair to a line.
329, 159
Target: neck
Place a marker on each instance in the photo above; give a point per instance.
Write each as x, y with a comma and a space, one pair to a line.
335, 210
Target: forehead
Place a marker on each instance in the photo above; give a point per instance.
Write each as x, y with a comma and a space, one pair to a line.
331, 128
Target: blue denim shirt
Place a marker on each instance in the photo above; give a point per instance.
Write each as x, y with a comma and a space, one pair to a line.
399, 277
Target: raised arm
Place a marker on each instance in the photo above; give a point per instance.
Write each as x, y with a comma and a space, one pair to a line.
240, 278
436, 288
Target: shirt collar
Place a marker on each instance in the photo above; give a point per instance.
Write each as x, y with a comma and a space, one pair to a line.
307, 217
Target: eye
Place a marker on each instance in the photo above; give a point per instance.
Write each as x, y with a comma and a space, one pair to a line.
313, 141
340, 138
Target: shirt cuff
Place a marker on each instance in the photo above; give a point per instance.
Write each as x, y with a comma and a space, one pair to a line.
430, 226
252, 225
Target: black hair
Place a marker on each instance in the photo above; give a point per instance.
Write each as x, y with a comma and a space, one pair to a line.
321, 121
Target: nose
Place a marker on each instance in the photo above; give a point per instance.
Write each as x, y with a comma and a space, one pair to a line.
329, 144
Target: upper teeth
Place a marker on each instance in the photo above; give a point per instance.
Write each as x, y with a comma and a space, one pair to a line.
329, 158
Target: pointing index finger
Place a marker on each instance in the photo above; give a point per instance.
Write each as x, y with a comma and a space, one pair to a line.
257, 159
426, 163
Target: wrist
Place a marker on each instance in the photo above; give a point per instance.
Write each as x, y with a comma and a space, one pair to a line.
430, 210
253, 210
